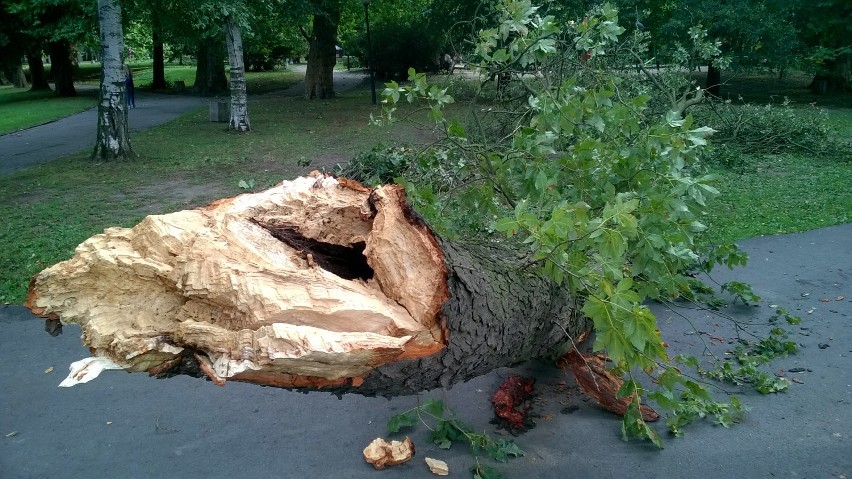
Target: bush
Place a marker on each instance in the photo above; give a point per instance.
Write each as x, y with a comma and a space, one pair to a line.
769, 129
382, 164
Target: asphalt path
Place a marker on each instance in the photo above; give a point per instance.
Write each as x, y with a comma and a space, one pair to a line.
125, 425
76, 133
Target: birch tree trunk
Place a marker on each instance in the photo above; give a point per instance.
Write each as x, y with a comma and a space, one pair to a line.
239, 102
319, 76
113, 136
316, 283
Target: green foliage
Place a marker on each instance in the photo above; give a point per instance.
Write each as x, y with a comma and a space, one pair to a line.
382, 164
445, 430
605, 194
748, 361
403, 35
746, 129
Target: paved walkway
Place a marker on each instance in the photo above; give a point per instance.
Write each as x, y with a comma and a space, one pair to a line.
131, 426
76, 133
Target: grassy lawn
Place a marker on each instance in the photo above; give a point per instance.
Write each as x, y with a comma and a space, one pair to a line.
780, 194
47, 210
23, 108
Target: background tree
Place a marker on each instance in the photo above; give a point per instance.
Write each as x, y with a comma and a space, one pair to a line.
62, 26
12, 48
825, 29
113, 138
322, 54
239, 103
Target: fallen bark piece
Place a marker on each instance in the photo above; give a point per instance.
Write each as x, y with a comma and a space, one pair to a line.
597, 383
438, 467
317, 283
381, 453
85, 370
511, 402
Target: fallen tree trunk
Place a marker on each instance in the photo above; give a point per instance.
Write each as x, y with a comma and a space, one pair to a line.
316, 283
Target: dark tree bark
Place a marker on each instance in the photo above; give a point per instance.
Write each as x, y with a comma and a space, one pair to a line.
319, 76
113, 135
836, 78
15, 75
210, 72
159, 80
714, 80
62, 68
318, 283
37, 77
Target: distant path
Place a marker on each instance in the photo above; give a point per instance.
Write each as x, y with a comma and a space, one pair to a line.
76, 133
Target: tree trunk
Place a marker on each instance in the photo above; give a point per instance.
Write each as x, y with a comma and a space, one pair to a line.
239, 104
113, 136
714, 81
159, 80
837, 76
316, 283
62, 68
210, 72
37, 77
319, 76
15, 76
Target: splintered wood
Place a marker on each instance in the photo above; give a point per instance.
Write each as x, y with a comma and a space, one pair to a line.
381, 453
600, 385
312, 283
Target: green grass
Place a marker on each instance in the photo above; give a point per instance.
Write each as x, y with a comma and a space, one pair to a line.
780, 194
23, 108
48, 209
143, 75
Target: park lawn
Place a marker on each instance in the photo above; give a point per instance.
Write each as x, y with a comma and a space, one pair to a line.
49, 209
23, 109
779, 194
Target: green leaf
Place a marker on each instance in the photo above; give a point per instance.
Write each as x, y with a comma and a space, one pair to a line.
433, 407
402, 420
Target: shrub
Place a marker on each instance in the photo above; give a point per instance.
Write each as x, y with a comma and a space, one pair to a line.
768, 129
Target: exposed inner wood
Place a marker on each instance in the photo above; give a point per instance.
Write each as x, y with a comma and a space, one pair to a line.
315, 282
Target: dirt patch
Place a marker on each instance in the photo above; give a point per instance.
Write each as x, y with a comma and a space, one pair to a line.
177, 194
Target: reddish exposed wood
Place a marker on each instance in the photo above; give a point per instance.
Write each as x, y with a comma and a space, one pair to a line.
597, 383
207, 369
511, 401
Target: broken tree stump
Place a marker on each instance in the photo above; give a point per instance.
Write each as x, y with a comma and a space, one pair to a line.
316, 283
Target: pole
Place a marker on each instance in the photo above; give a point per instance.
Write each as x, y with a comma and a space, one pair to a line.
370, 53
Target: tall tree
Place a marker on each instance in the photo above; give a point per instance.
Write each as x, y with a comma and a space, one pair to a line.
826, 31
62, 67
210, 70
38, 79
319, 77
60, 26
239, 104
113, 137
157, 54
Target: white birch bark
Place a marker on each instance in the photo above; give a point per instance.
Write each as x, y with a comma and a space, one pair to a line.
239, 102
113, 137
